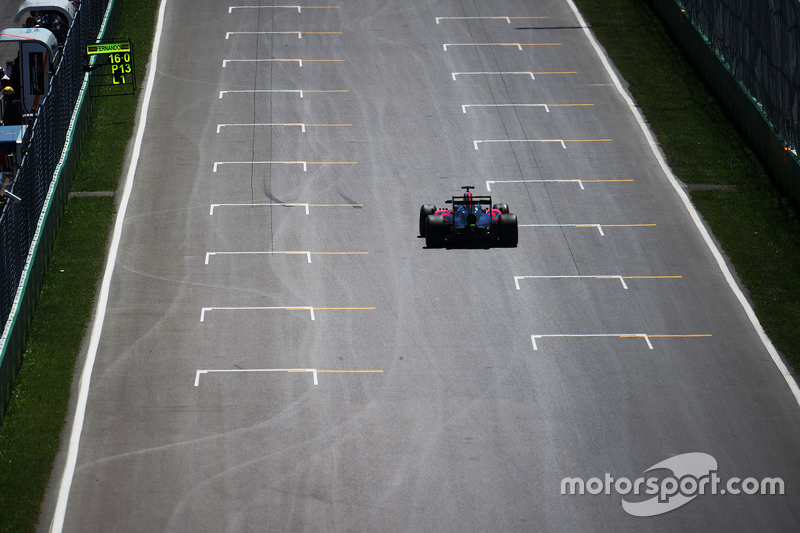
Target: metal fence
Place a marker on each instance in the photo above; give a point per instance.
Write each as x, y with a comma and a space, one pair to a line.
758, 40
44, 144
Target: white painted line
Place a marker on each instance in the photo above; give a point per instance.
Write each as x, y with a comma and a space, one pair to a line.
645, 336
294, 204
301, 124
748, 309
302, 92
598, 226
304, 163
237, 370
228, 34
226, 61
214, 206
230, 9
639, 335
204, 310
592, 225
507, 19
545, 106
517, 278
465, 106
307, 254
518, 45
221, 93
561, 141
299, 8
102, 301
578, 181
454, 74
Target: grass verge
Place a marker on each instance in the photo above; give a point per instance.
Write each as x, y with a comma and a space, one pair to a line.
31, 430
755, 225
30, 435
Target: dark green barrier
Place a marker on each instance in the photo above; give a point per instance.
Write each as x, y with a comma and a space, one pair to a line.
782, 164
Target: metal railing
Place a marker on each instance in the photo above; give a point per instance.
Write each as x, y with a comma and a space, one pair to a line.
42, 148
759, 41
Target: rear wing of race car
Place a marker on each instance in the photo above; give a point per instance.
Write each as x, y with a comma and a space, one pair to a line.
475, 200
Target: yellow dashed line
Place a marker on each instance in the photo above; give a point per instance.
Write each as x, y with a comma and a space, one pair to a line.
337, 253
332, 163
701, 335
331, 205
351, 371
652, 277
344, 309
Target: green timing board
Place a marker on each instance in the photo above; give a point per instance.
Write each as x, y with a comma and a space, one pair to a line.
108, 48
117, 69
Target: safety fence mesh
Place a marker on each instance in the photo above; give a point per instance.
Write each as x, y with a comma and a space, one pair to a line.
758, 40
44, 142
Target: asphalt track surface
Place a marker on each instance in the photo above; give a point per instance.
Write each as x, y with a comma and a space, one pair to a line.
372, 384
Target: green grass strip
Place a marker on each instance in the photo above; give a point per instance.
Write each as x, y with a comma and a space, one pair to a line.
755, 225
31, 430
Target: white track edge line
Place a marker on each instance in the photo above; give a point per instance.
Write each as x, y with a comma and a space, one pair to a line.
748, 309
97, 327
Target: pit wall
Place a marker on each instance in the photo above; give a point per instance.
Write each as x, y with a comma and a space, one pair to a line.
781, 162
17, 327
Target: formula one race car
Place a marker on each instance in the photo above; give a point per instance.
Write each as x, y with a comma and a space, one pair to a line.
471, 218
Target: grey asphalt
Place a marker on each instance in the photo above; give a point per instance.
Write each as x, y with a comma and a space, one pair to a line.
466, 427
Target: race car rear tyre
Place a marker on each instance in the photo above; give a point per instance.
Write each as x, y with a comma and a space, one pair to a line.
424, 211
503, 208
434, 232
509, 235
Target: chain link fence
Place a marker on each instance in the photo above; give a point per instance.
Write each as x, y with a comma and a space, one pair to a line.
758, 40
43, 145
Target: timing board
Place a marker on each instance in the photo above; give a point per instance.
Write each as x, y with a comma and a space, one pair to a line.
113, 67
